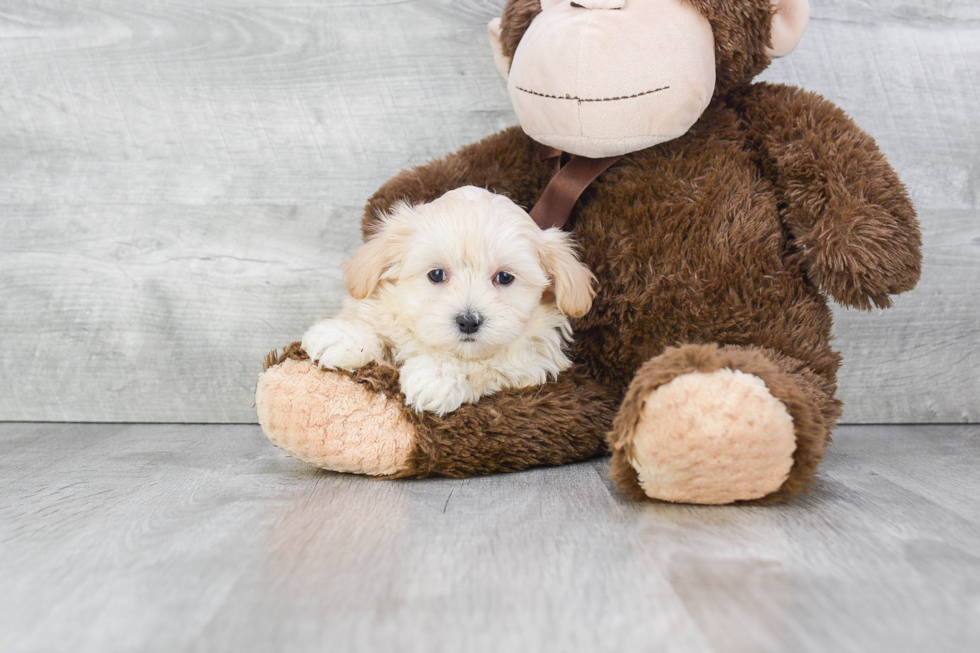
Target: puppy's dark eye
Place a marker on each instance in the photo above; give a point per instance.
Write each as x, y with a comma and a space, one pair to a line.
503, 278
437, 276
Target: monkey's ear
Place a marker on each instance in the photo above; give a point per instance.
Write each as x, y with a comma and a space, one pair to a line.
501, 61
789, 20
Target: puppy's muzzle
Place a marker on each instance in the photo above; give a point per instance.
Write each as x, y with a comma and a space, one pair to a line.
468, 322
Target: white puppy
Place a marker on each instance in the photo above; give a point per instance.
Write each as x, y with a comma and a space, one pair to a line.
466, 293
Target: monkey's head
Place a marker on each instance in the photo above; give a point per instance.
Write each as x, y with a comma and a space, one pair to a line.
601, 78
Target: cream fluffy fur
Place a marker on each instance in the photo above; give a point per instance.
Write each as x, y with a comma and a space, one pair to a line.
397, 312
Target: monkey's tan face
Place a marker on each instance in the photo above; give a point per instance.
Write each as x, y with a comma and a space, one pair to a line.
605, 77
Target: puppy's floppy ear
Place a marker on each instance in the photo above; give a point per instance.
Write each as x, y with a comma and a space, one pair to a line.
571, 279
379, 255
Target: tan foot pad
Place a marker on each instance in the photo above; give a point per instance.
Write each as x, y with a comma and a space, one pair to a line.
328, 420
712, 439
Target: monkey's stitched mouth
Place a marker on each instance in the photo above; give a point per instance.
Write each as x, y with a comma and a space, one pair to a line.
590, 99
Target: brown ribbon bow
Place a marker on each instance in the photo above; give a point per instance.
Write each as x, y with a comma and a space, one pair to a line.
567, 184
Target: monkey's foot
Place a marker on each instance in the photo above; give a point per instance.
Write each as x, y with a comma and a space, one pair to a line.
331, 420
704, 425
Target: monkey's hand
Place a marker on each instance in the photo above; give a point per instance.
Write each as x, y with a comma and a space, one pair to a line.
340, 344
849, 215
860, 254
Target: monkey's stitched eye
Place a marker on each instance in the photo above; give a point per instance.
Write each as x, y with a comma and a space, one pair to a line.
437, 276
503, 278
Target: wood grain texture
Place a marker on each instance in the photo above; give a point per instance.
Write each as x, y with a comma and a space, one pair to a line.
206, 538
181, 181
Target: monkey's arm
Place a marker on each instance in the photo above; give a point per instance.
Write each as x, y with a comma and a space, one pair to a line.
845, 207
507, 162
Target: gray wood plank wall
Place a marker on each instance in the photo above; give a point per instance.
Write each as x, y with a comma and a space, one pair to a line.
179, 182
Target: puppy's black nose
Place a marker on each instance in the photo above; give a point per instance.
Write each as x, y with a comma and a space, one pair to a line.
468, 322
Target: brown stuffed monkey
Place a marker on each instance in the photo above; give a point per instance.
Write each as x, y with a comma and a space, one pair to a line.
735, 208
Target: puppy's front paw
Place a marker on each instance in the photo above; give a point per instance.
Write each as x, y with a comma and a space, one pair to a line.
341, 345
434, 386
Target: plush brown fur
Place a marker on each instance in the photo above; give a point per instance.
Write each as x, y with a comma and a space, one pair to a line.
514, 21
853, 226
711, 251
726, 236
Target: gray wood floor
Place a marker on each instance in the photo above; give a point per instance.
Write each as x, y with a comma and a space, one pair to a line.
180, 181
206, 538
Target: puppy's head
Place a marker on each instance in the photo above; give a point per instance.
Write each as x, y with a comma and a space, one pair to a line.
469, 272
